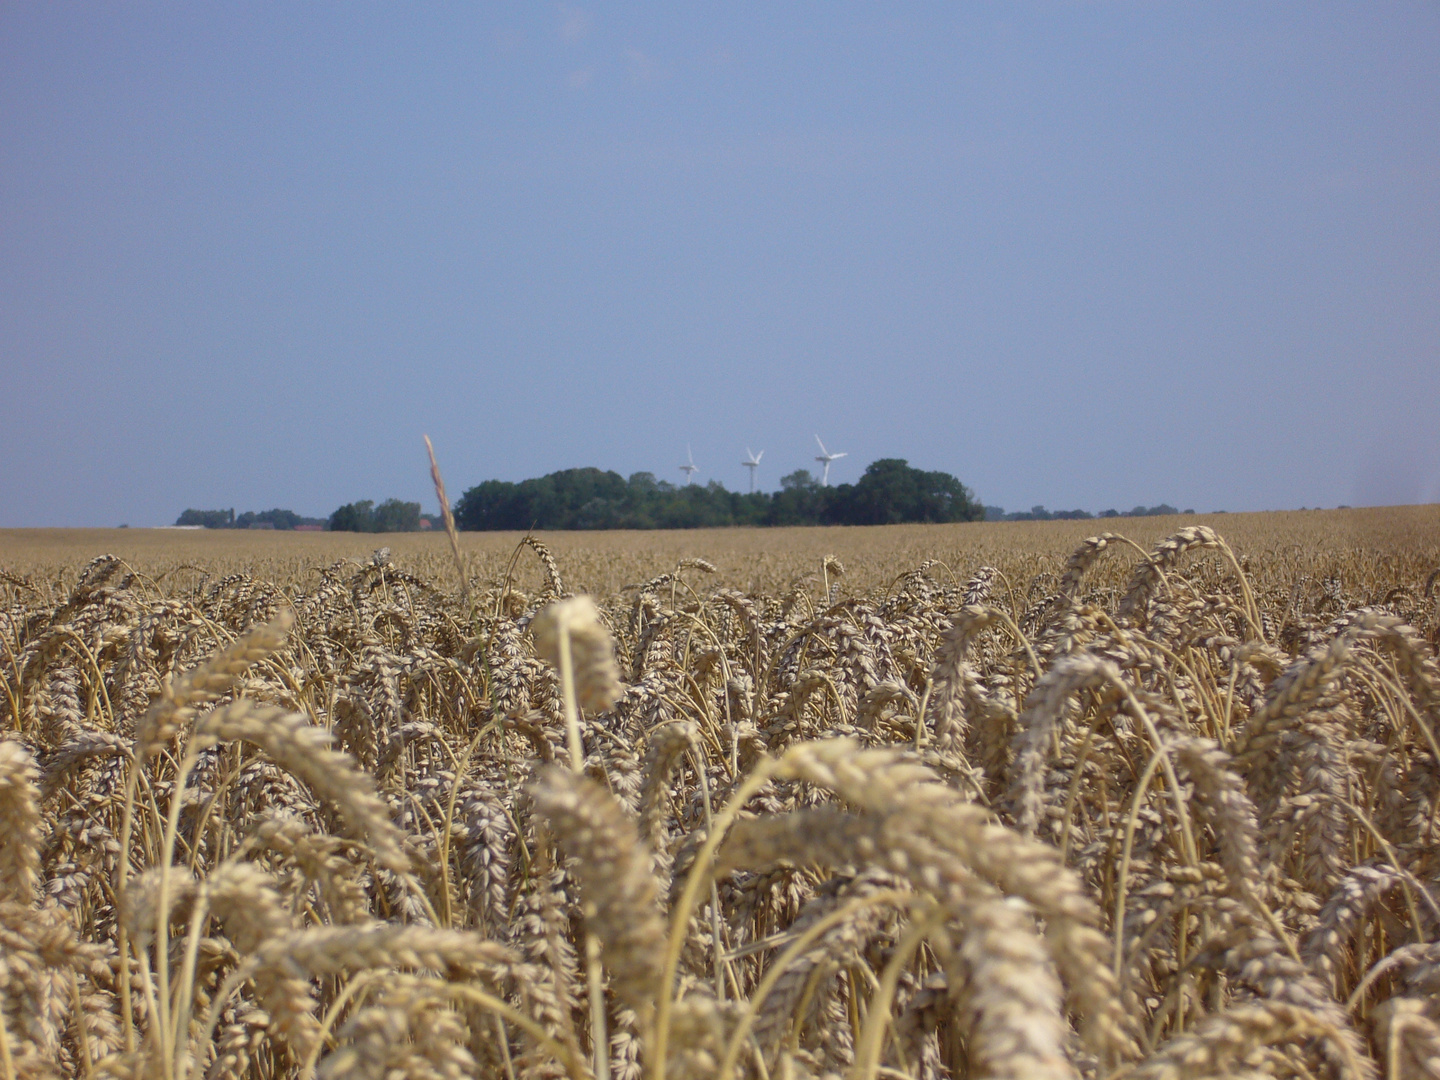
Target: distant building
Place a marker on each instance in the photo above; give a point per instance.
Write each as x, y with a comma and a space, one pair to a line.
309, 528
426, 524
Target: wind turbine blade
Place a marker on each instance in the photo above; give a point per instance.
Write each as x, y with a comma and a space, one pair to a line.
842, 453
822, 445
759, 456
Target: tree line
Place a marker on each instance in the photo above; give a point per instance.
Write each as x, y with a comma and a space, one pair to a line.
890, 492
392, 515
1039, 513
264, 519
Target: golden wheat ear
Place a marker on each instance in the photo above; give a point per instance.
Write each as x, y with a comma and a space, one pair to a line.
1220, 1045
305, 751
570, 635
449, 520
618, 887
547, 558
951, 677
668, 745
1083, 558
207, 682
998, 967
20, 812
929, 817
320, 858
597, 675
245, 900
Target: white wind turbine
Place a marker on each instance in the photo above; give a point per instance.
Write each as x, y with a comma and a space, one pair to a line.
689, 468
825, 457
752, 462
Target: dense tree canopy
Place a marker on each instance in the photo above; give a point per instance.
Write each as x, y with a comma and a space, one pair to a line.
1039, 513
889, 492
276, 519
392, 515
210, 519
250, 519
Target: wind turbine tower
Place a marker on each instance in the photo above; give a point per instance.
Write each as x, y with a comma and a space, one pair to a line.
752, 462
689, 468
825, 457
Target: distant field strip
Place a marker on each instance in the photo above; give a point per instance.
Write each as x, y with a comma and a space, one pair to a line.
603, 562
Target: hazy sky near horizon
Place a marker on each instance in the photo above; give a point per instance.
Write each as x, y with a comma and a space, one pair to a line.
1084, 254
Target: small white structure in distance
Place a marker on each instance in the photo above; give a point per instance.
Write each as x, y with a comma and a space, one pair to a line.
752, 462
825, 458
689, 468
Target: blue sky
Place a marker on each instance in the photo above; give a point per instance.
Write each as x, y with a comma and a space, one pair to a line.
1079, 254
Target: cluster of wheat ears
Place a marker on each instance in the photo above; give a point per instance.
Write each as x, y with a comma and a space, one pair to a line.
1150, 814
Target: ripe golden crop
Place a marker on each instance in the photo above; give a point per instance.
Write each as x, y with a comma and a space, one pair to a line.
1013, 800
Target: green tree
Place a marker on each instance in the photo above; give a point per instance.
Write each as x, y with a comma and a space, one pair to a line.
560, 500
395, 516
280, 519
354, 517
211, 519
592, 499
800, 500
891, 492
495, 504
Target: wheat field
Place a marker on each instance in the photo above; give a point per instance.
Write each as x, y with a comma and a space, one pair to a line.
1022, 800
